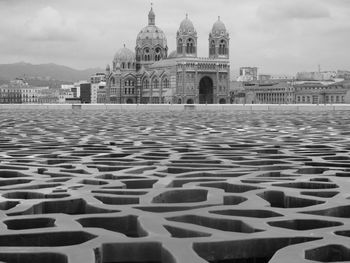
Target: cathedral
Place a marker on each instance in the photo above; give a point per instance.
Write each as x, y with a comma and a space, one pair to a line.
153, 75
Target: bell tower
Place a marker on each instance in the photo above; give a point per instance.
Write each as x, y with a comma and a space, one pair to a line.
186, 39
219, 41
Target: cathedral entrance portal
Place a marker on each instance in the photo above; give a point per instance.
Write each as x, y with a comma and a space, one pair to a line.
206, 95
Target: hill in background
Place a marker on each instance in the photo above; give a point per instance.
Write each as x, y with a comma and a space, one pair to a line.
44, 74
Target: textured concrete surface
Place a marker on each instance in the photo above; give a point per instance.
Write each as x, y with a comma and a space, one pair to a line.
182, 107
181, 186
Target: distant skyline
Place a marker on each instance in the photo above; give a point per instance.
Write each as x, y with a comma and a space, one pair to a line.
277, 36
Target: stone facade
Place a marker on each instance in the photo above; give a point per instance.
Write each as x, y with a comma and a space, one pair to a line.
290, 92
270, 93
20, 92
328, 92
95, 92
150, 75
10, 94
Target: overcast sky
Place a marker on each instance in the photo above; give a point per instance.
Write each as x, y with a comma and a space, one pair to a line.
278, 36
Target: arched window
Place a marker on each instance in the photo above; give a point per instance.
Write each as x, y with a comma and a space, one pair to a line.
146, 54
129, 65
158, 54
113, 81
165, 83
190, 49
222, 48
212, 48
155, 84
145, 84
179, 46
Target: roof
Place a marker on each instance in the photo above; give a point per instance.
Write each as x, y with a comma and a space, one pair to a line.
151, 32
218, 27
124, 55
186, 26
168, 62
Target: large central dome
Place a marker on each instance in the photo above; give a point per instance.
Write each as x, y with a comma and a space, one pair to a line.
151, 34
151, 44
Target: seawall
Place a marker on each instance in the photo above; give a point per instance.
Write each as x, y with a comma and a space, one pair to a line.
181, 107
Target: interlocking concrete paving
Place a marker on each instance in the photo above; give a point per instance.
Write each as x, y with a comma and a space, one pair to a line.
185, 186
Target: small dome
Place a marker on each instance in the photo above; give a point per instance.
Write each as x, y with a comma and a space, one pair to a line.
124, 55
186, 26
173, 54
218, 27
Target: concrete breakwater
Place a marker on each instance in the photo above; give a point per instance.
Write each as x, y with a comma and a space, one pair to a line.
103, 186
181, 107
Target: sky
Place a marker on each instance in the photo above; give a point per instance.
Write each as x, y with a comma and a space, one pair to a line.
277, 36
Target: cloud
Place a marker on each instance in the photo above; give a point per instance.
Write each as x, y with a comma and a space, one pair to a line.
298, 9
49, 25
275, 35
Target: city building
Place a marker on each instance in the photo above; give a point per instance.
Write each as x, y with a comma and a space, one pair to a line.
278, 77
97, 78
10, 94
95, 88
237, 92
71, 92
248, 74
268, 92
67, 86
65, 94
264, 77
282, 77
85, 92
316, 76
322, 92
101, 95
48, 96
151, 75
76, 88
343, 74
33, 95
19, 91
